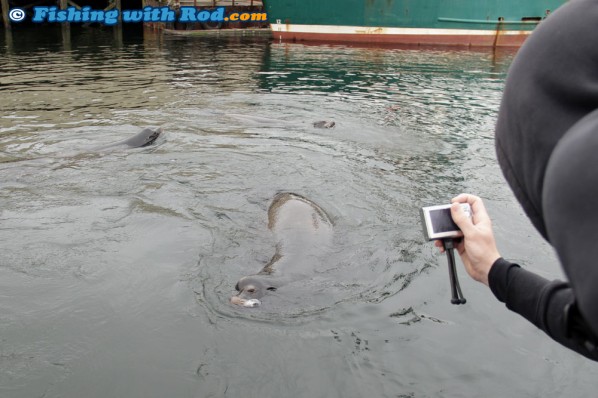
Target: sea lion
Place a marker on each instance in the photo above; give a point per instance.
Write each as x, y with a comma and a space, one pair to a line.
324, 124
272, 122
142, 139
303, 231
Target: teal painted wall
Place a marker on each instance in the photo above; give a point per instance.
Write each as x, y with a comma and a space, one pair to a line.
407, 13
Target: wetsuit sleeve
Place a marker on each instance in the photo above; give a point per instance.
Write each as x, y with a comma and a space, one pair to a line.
550, 305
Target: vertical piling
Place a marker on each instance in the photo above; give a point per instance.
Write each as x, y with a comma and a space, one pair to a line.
5, 18
118, 28
118, 5
66, 28
8, 40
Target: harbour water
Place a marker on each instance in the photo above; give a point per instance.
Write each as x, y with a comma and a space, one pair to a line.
116, 267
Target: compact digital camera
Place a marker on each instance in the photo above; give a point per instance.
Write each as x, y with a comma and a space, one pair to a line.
438, 222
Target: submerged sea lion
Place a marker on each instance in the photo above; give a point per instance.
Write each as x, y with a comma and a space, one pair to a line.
303, 231
271, 122
142, 139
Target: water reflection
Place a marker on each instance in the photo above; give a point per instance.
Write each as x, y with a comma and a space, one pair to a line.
372, 71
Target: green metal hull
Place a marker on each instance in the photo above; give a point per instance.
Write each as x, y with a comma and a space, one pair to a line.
465, 22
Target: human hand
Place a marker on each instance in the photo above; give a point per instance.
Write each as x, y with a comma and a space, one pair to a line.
478, 248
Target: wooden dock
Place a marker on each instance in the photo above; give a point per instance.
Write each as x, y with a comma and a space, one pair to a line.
218, 3
201, 28
236, 28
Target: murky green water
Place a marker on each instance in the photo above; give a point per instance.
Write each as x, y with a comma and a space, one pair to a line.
116, 268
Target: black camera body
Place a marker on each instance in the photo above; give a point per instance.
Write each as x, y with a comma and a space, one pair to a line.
438, 222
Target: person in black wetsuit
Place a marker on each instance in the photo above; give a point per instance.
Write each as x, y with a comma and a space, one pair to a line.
547, 147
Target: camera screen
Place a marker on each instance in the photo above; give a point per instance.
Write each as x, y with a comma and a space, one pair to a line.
442, 221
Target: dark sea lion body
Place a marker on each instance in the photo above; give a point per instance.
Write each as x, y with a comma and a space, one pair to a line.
303, 231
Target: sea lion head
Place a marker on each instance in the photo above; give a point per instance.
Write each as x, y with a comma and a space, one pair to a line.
324, 124
149, 136
251, 289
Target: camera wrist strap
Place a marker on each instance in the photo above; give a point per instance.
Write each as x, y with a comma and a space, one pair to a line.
457, 295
